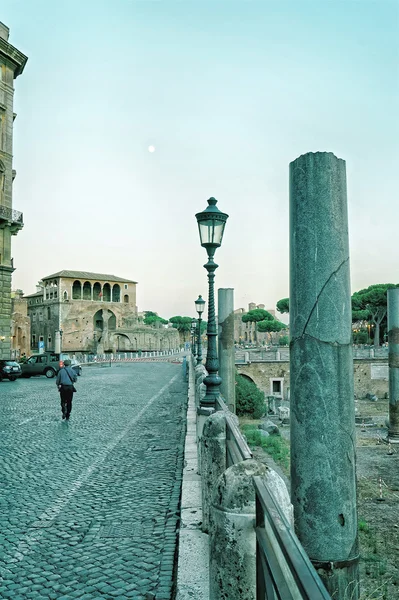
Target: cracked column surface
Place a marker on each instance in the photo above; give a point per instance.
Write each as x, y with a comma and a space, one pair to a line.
393, 339
323, 478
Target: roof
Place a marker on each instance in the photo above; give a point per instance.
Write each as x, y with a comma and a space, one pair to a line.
34, 295
87, 275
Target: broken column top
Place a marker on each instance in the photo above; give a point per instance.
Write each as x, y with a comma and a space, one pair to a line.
316, 155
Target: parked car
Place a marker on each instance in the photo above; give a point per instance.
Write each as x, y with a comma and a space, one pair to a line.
9, 369
48, 364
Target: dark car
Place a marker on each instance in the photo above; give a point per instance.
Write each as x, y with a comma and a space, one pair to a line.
9, 369
47, 363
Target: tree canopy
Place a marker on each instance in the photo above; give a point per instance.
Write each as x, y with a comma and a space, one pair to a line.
182, 324
265, 322
371, 304
368, 304
256, 315
283, 305
151, 317
271, 326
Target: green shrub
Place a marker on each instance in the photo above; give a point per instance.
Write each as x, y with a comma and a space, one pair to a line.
284, 340
250, 400
275, 445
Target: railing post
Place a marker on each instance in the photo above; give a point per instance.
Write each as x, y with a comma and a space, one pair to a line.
232, 538
213, 460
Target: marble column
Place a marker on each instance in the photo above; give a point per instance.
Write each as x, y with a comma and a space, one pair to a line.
323, 479
393, 340
226, 346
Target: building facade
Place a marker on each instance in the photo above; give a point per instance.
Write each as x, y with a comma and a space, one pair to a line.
20, 326
81, 312
246, 333
12, 63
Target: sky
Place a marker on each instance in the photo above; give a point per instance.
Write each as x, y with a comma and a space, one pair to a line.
228, 92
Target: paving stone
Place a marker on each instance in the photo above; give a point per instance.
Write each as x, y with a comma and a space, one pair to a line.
116, 466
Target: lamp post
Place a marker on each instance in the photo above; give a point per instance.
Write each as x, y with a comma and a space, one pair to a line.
193, 330
199, 307
211, 224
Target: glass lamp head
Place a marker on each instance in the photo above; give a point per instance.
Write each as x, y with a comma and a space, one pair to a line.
211, 223
200, 305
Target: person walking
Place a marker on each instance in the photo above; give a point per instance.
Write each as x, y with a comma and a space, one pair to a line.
66, 377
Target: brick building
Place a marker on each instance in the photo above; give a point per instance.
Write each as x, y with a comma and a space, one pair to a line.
91, 313
12, 63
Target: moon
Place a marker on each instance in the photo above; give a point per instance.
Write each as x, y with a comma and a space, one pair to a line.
151, 148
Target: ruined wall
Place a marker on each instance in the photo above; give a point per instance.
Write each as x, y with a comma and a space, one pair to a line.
370, 376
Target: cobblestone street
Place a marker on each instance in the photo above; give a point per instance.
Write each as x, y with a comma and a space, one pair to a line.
89, 507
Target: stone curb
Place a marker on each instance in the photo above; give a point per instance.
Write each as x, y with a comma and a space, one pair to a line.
193, 553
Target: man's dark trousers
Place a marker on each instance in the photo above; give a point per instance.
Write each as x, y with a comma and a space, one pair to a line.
66, 400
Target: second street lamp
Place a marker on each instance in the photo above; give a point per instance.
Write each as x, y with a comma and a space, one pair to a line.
211, 224
193, 330
199, 307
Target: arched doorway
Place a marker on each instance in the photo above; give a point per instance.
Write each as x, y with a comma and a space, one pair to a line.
87, 290
116, 293
77, 290
122, 343
97, 291
106, 292
98, 322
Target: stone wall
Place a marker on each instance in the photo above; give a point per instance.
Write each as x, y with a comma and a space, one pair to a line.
370, 376
5, 311
20, 328
12, 63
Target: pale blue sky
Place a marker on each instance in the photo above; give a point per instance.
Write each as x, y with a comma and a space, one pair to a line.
228, 92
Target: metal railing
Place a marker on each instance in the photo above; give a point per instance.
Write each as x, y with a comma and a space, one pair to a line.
11, 215
283, 569
283, 354
237, 448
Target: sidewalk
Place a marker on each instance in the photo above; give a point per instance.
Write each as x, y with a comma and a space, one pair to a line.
193, 559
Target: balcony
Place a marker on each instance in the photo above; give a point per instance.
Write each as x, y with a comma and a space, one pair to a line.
11, 218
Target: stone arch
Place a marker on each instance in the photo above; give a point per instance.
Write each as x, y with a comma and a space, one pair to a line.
112, 322
126, 298
106, 292
65, 295
97, 291
122, 342
77, 290
98, 321
87, 290
116, 293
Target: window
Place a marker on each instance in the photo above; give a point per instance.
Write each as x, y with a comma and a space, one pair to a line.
33, 340
126, 286
276, 387
49, 340
48, 312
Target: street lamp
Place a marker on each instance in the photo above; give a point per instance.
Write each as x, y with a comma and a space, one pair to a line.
193, 330
199, 307
211, 224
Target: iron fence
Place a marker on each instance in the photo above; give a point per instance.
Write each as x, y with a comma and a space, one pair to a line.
237, 448
283, 569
